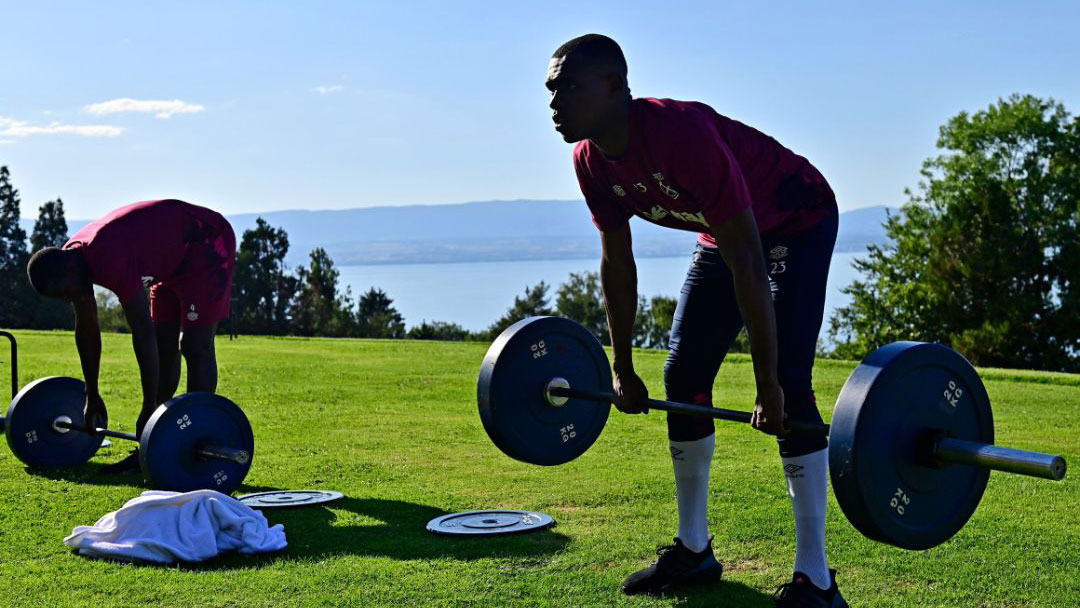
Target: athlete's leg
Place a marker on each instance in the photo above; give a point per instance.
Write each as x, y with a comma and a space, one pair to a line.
799, 268
197, 346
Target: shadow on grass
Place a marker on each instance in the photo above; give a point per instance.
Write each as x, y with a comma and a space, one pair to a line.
398, 532
727, 594
88, 474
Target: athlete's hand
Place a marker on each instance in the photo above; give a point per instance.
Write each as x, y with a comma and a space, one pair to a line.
94, 415
630, 392
769, 416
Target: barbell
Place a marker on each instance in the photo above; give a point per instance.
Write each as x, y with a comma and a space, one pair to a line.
194, 441
910, 444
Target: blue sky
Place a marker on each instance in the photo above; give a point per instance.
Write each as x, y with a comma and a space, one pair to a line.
252, 106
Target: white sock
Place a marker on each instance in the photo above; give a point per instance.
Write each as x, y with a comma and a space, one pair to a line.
806, 480
691, 460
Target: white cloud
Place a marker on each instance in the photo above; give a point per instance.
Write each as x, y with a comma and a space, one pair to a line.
9, 127
326, 90
161, 108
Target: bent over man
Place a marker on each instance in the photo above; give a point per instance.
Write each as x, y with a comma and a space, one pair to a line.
185, 255
767, 221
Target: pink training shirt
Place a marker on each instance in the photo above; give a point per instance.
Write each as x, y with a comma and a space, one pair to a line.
143, 243
690, 168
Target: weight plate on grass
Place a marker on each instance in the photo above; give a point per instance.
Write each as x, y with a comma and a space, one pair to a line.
29, 424
490, 522
889, 413
288, 498
511, 390
169, 449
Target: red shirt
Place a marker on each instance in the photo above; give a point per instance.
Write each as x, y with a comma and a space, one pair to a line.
690, 168
143, 243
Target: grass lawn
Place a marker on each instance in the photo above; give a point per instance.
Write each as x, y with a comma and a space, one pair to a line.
393, 425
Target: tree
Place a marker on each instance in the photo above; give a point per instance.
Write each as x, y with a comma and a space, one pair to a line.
319, 309
50, 229
533, 304
986, 257
438, 330
377, 318
661, 313
262, 285
582, 299
16, 290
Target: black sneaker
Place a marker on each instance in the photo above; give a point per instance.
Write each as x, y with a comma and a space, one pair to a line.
801, 593
677, 567
128, 466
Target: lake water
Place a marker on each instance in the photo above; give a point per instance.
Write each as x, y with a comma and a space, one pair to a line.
475, 294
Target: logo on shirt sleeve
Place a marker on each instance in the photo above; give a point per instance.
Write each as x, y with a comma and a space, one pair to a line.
618, 190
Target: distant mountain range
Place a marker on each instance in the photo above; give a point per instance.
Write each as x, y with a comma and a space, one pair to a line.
486, 231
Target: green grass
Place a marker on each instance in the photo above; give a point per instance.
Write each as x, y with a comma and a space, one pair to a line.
394, 426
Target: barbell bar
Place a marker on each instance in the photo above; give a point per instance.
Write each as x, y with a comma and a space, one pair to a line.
64, 424
943, 449
910, 444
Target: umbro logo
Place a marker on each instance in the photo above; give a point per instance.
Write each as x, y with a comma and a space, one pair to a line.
792, 470
676, 454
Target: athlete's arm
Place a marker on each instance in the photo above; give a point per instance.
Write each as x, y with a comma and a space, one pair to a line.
740, 245
618, 276
88, 345
144, 341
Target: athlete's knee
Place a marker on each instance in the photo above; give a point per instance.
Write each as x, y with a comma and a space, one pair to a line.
801, 406
197, 345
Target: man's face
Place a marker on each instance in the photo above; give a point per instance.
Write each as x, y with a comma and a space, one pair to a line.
581, 97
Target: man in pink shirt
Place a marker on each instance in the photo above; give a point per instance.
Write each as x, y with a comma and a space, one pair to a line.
185, 255
767, 221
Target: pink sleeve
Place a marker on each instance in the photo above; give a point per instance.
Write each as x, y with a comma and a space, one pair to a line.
606, 213
703, 163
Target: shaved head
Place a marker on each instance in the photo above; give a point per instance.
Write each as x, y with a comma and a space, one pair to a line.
595, 51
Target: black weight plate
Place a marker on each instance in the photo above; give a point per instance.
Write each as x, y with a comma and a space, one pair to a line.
490, 522
288, 498
888, 413
510, 390
168, 451
29, 424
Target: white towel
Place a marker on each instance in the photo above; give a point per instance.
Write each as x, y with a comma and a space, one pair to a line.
166, 527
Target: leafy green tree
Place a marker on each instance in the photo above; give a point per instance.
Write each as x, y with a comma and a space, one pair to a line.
661, 312
534, 303
50, 230
438, 330
320, 309
581, 298
986, 256
376, 316
16, 290
263, 287
110, 314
